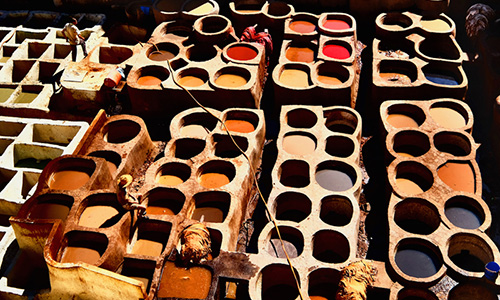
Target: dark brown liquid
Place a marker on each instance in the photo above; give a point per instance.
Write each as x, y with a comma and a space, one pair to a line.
49, 211
161, 55
68, 180
179, 282
208, 214
80, 254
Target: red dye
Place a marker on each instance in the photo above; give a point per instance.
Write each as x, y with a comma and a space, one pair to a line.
336, 51
241, 53
302, 26
336, 25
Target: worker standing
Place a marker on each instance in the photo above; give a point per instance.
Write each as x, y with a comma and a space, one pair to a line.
74, 38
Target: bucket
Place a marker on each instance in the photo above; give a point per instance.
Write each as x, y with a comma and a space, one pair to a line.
491, 270
114, 77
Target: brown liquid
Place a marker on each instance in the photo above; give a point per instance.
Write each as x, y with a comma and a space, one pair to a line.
169, 180
148, 80
80, 254
178, 282
447, 117
191, 81
147, 247
294, 78
161, 55
208, 214
300, 54
408, 187
49, 211
95, 216
458, 176
396, 78
298, 144
26, 97
230, 80
194, 130
213, 180
239, 126
68, 180
329, 80
400, 120
158, 210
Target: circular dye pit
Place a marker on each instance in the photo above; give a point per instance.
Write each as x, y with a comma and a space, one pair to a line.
417, 261
191, 81
436, 25
447, 117
194, 130
294, 78
161, 55
401, 121
336, 51
302, 26
169, 180
242, 53
149, 80
214, 180
300, 54
462, 216
239, 126
334, 180
458, 176
68, 180
336, 25
231, 80
297, 144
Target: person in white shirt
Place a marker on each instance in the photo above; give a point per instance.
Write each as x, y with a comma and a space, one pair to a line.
73, 37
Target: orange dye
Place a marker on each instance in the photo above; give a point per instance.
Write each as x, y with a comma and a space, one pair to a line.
68, 180
179, 282
213, 180
239, 126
